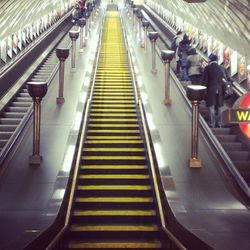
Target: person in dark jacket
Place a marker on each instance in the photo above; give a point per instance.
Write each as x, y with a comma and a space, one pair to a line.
183, 48
194, 62
212, 78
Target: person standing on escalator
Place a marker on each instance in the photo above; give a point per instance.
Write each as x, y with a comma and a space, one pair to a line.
213, 79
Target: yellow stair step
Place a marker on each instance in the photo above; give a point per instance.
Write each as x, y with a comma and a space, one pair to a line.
114, 176
114, 125
113, 115
115, 199
110, 228
135, 167
145, 213
115, 187
114, 245
113, 149
113, 137
114, 142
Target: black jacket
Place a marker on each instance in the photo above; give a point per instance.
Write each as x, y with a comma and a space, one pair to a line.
212, 78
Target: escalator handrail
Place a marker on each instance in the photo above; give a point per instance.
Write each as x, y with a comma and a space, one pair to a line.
236, 86
78, 155
149, 151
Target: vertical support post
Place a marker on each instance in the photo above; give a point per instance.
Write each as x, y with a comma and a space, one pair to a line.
167, 56
195, 94
73, 35
153, 37
37, 91
167, 100
195, 112
62, 55
145, 24
82, 23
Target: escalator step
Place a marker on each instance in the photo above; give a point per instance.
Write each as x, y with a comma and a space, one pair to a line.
22, 104
3, 142
15, 115
101, 202
5, 135
232, 146
17, 109
10, 121
221, 131
138, 245
131, 190
227, 138
242, 165
121, 232
239, 155
9, 128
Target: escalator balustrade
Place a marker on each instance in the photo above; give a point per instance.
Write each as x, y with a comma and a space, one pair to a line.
114, 204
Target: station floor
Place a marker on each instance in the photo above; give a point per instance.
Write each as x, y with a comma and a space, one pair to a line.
203, 200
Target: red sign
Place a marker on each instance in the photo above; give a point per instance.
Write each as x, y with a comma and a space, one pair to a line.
245, 104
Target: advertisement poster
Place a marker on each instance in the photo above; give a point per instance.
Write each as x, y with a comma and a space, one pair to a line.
234, 63
220, 52
190, 31
248, 77
226, 57
34, 30
215, 47
31, 32
205, 44
4, 51
14, 43
24, 38
242, 69
19, 39
9, 47
209, 45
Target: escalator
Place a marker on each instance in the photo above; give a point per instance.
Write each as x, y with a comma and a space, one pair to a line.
17, 111
229, 137
113, 205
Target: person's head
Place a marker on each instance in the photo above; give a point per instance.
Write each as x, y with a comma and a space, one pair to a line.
213, 58
179, 33
185, 39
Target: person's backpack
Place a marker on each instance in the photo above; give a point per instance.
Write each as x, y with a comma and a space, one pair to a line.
173, 44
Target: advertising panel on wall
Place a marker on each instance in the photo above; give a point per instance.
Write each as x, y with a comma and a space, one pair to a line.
9, 47
242, 69
24, 38
14, 43
248, 77
234, 63
209, 45
19, 39
226, 57
220, 53
4, 50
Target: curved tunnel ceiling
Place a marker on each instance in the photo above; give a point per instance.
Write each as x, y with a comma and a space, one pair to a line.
226, 20
16, 14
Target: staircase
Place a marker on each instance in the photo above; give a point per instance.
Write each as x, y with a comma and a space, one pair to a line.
114, 205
